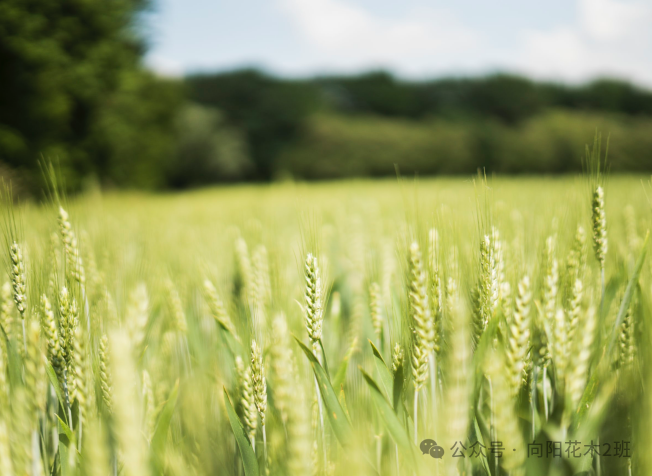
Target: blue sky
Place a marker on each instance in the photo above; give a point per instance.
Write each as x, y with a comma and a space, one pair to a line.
571, 40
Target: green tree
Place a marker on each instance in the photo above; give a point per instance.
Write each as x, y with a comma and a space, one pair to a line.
376, 92
66, 66
270, 112
207, 150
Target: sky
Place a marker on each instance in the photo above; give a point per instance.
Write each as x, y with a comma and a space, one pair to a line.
561, 40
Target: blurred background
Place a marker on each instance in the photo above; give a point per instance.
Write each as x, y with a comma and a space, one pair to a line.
172, 94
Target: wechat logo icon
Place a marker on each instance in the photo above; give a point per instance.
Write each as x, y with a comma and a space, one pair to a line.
430, 447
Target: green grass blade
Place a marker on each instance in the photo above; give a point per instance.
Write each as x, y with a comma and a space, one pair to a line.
479, 434
67, 451
54, 380
595, 417
325, 360
340, 375
397, 389
601, 370
629, 294
66, 431
246, 451
336, 415
232, 343
163, 423
610, 292
13, 360
481, 350
56, 465
588, 396
391, 421
386, 380
67, 458
342, 399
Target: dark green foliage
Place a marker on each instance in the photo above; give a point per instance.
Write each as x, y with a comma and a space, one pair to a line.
507, 98
135, 133
207, 150
333, 127
269, 112
72, 90
607, 95
373, 93
336, 146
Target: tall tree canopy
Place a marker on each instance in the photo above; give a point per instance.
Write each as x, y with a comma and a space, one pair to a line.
72, 90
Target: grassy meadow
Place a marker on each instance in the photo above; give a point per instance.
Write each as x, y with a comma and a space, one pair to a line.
330, 328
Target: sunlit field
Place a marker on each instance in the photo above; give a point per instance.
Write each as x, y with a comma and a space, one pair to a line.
330, 328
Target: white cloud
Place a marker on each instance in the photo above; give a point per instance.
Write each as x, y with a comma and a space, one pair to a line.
561, 48
610, 37
304, 37
607, 37
346, 35
612, 19
557, 53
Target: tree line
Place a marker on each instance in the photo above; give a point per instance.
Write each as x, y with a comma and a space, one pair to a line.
74, 91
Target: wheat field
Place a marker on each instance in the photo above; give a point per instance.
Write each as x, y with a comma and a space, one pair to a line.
330, 328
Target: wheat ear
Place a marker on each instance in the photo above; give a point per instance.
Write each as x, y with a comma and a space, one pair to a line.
519, 335
504, 420
313, 299
127, 412
238, 386
375, 310
560, 346
581, 360
457, 369
397, 357
216, 306
599, 221
176, 308
576, 257
314, 320
51, 334
626, 339
18, 279
281, 365
34, 372
248, 405
259, 384
487, 291
422, 325
137, 316
106, 383
71, 248
6, 308
67, 325
574, 308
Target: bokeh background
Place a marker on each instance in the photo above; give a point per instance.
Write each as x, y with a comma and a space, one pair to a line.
173, 94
